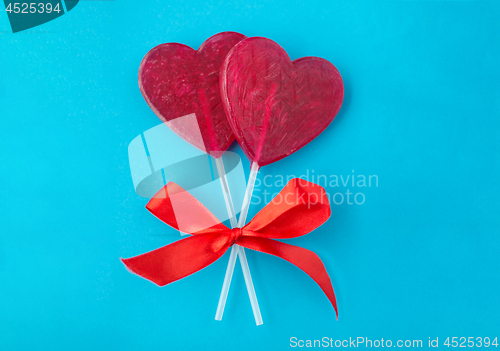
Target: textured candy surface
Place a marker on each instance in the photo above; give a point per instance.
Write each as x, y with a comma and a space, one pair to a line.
276, 106
181, 85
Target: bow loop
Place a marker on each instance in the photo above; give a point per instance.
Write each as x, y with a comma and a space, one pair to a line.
182, 211
298, 209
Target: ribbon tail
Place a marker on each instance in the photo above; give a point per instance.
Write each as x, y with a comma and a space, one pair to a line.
306, 260
179, 259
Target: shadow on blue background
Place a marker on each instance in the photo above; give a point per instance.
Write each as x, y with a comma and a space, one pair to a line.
418, 259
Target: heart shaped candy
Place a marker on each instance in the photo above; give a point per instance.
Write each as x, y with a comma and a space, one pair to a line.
276, 106
181, 85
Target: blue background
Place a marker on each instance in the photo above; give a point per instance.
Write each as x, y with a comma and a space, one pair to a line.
418, 259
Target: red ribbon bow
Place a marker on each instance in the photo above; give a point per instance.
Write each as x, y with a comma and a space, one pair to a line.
298, 209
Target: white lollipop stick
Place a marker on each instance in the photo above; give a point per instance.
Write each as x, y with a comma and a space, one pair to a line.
225, 190
237, 250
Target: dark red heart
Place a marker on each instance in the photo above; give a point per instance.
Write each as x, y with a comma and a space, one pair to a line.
181, 85
276, 106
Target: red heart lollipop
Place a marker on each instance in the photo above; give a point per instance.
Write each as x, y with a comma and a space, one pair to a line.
276, 106
177, 81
